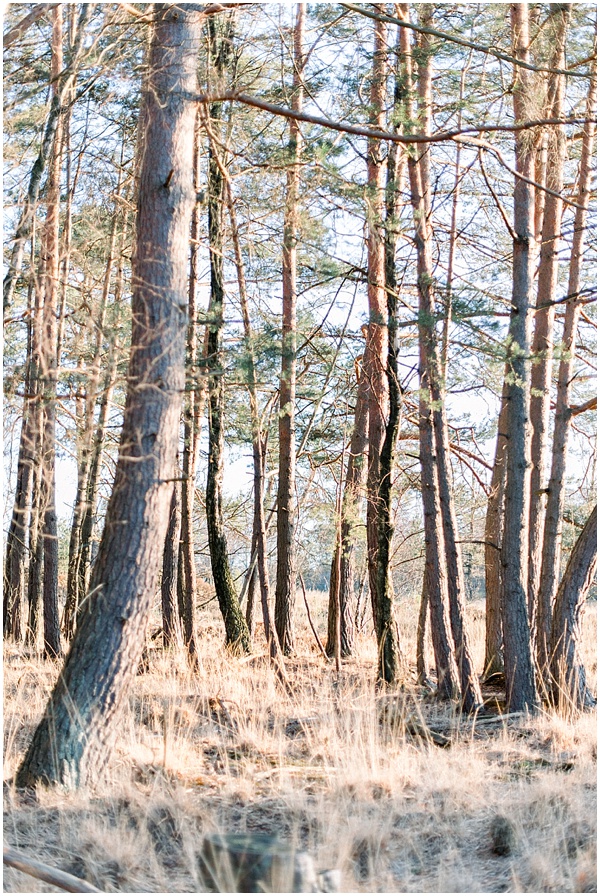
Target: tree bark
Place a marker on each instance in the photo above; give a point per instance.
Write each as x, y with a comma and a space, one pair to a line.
73, 741
494, 651
540, 614
436, 579
355, 481
237, 635
168, 585
50, 260
521, 691
569, 686
563, 416
285, 589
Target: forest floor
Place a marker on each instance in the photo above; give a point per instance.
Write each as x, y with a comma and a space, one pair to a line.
395, 790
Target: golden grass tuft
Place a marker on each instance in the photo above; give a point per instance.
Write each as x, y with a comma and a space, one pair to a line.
334, 770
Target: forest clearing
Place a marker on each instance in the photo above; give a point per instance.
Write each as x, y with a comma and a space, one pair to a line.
300, 449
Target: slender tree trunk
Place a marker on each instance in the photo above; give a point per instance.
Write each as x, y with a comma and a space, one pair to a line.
494, 517
562, 418
193, 410
436, 577
540, 614
518, 656
168, 586
285, 590
72, 742
50, 248
26, 221
355, 482
568, 672
237, 635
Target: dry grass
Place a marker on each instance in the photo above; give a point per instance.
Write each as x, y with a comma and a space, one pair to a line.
333, 770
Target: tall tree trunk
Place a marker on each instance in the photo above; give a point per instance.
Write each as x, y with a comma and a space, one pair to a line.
494, 653
562, 418
436, 579
193, 410
569, 684
50, 249
376, 349
72, 742
285, 589
518, 656
540, 614
237, 635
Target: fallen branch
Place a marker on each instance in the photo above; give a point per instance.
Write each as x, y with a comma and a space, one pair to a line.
41, 871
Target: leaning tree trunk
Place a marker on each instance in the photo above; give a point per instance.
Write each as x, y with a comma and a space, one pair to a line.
285, 587
73, 741
569, 686
563, 415
521, 691
237, 635
540, 613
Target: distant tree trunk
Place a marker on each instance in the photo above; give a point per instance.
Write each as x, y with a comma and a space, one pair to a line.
569, 684
237, 635
540, 614
422, 661
72, 742
494, 653
26, 220
75, 579
518, 657
168, 586
355, 481
285, 590
436, 581
50, 250
563, 416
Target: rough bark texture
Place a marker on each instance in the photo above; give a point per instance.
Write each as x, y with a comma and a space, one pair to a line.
518, 657
237, 635
494, 651
285, 590
540, 613
72, 742
568, 672
562, 419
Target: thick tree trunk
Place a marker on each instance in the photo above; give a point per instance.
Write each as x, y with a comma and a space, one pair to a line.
562, 419
285, 590
72, 742
518, 656
494, 652
569, 686
540, 613
237, 635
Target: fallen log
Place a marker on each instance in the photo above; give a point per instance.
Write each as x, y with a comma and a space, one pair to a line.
61, 879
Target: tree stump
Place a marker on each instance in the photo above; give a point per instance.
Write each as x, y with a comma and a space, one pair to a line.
259, 863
